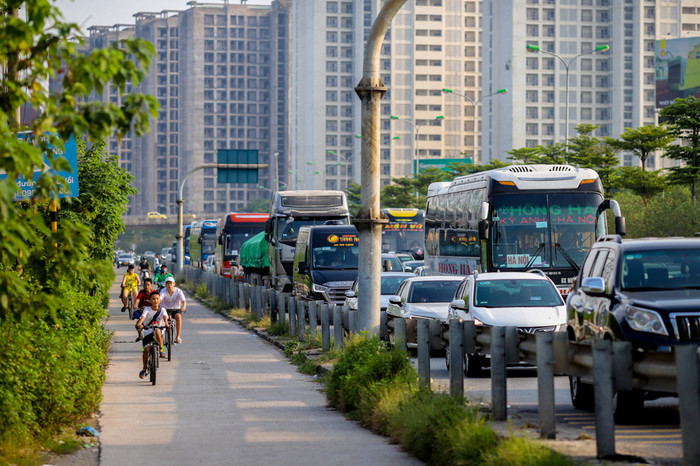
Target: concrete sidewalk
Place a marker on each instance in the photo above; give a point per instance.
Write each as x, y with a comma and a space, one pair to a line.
227, 397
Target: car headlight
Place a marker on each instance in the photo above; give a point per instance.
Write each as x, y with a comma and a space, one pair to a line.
319, 288
644, 320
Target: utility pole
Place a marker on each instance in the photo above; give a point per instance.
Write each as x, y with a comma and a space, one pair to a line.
369, 220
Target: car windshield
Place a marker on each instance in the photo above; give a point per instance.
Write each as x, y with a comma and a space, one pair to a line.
671, 269
516, 293
390, 285
433, 291
394, 261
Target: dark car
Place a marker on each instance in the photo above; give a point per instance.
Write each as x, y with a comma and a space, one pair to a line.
645, 291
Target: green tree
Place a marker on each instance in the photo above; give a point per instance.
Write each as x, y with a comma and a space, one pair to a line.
645, 184
353, 194
261, 205
642, 141
683, 120
52, 283
588, 151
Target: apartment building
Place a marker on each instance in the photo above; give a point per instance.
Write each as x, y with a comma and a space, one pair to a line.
221, 77
431, 45
614, 89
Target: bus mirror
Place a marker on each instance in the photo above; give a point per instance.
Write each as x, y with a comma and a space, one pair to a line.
199, 240
484, 211
302, 267
221, 239
483, 229
620, 226
268, 226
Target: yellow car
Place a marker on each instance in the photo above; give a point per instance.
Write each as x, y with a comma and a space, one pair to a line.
155, 216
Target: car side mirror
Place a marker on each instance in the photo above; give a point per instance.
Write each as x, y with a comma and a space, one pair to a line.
594, 286
408, 268
395, 300
458, 304
349, 294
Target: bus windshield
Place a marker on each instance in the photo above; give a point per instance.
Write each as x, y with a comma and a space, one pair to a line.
289, 227
544, 230
208, 242
239, 236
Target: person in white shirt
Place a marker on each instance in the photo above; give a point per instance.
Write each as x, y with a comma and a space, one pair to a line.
173, 299
158, 315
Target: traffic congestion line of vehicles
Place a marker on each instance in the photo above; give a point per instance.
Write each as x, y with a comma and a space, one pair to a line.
525, 246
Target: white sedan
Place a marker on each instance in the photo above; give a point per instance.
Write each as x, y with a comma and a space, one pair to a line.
526, 300
422, 298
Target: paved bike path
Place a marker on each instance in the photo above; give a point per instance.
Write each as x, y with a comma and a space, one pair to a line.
227, 397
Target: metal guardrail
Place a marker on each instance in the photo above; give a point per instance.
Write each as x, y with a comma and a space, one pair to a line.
613, 366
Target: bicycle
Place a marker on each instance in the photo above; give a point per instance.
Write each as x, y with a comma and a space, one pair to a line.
169, 336
130, 305
153, 349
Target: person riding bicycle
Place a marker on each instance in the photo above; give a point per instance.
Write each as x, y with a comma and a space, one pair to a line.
155, 314
161, 276
173, 299
130, 284
143, 299
144, 266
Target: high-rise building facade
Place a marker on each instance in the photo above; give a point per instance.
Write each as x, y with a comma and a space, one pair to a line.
431, 45
614, 89
221, 77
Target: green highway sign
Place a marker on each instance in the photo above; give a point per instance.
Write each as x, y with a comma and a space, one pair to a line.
248, 158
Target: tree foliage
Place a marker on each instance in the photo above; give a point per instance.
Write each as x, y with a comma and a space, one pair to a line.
642, 141
53, 284
683, 119
645, 184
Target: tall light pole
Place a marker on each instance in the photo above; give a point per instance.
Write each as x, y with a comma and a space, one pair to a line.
277, 171
416, 129
475, 103
567, 66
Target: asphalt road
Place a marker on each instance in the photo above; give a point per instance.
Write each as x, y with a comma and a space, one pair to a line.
227, 397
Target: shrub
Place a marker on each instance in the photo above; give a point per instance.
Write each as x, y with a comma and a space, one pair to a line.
521, 451
364, 363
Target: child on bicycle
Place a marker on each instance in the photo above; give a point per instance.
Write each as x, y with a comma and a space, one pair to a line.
160, 277
153, 315
143, 300
130, 284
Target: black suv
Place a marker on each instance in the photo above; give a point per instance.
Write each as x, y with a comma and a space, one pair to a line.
646, 291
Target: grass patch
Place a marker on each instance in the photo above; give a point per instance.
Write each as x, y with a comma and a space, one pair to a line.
522, 451
379, 387
249, 319
279, 329
200, 291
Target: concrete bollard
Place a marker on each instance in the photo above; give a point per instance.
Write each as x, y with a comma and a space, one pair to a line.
301, 319
282, 306
456, 358
325, 328
246, 296
241, 296
687, 368
313, 308
383, 334
291, 305
400, 333
258, 301
272, 299
338, 331
545, 384
499, 397
603, 390
424, 350
352, 321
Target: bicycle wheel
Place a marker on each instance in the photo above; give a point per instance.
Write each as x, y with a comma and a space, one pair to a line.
154, 362
169, 341
130, 303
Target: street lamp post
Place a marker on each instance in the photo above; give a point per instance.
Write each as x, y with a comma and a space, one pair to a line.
567, 66
416, 129
475, 103
277, 171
